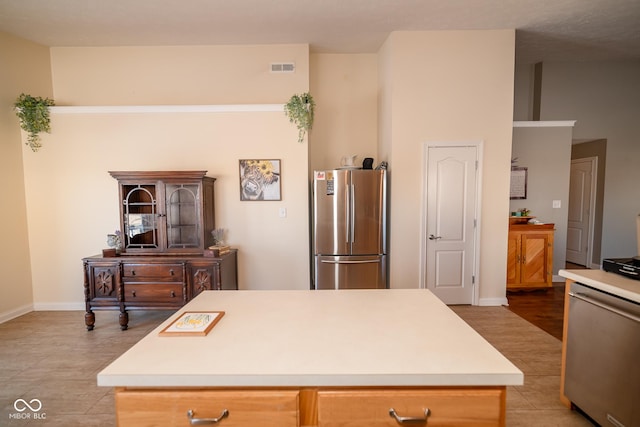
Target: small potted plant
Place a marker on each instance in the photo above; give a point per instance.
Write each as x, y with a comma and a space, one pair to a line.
33, 113
114, 241
300, 110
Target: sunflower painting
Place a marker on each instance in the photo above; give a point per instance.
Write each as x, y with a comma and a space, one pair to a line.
260, 180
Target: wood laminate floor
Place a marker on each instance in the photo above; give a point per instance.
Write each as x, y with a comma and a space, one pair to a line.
49, 356
542, 307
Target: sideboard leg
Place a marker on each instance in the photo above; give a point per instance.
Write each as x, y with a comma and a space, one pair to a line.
89, 320
124, 320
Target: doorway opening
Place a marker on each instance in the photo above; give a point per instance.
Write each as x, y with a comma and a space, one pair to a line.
586, 196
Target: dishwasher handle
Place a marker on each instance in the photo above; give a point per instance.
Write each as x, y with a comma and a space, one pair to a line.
584, 297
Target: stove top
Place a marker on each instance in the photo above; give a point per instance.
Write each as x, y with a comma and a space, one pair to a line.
628, 267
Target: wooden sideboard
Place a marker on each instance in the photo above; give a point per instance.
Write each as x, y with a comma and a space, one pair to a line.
152, 282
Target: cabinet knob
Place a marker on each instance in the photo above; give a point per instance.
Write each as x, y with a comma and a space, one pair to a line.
171, 272
173, 294
133, 293
133, 272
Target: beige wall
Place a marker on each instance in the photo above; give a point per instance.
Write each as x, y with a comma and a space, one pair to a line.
177, 75
448, 86
25, 68
345, 88
439, 86
81, 201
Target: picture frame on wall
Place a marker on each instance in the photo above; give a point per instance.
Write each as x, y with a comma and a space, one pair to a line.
518, 187
260, 180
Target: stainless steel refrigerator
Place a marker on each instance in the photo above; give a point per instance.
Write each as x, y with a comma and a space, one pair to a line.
349, 229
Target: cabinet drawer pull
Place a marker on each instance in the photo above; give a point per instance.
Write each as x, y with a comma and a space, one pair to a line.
133, 293
173, 294
409, 420
206, 421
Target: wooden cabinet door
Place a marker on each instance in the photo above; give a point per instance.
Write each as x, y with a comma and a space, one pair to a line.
204, 275
101, 283
250, 408
535, 259
444, 407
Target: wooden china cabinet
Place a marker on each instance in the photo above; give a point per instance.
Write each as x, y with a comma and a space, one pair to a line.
166, 219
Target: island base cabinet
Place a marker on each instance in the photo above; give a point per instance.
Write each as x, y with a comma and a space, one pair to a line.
459, 407
179, 408
311, 407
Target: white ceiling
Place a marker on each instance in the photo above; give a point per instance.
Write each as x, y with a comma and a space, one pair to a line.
547, 30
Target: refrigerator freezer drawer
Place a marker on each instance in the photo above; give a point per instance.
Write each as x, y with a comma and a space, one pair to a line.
350, 272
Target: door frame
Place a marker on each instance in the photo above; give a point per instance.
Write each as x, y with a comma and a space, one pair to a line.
479, 145
592, 204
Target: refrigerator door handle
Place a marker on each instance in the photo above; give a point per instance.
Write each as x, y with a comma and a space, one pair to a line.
352, 220
371, 261
347, 214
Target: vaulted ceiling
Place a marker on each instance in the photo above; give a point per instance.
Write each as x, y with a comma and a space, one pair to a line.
546, 30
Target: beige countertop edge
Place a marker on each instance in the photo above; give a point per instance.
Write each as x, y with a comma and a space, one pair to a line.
612, 283
418, 380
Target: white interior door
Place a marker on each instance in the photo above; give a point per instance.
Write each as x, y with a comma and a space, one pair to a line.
581, 197
450, 238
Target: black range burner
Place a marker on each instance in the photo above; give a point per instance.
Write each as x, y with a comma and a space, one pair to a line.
628, 267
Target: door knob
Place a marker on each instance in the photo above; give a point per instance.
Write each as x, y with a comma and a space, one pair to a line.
432, 237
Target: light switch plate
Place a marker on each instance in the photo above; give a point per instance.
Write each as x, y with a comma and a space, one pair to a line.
556, 204
282, 212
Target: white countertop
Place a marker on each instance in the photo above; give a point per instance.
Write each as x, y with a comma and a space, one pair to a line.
399, 337
605, 281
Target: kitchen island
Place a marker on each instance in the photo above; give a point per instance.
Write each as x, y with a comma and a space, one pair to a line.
315, 358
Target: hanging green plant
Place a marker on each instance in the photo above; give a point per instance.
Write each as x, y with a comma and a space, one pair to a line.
299, 109
33, 113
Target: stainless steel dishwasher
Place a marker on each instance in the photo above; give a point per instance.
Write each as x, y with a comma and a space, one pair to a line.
602, 374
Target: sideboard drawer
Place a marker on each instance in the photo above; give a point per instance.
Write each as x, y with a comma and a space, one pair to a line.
153, 292
245, 408
461, 407
171, 272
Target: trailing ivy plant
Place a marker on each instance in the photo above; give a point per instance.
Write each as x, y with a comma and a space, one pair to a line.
33, 113
300, 109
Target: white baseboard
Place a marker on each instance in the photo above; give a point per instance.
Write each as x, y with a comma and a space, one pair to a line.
491, 302
17, 312
59, 306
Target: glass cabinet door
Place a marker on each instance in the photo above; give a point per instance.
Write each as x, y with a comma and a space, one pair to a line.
165, 212
140, 217
183, 221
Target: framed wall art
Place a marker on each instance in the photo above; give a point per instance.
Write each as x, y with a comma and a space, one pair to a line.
518, 189
260, 180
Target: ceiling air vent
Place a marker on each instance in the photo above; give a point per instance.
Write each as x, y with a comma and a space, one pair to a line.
283, 67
